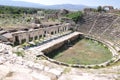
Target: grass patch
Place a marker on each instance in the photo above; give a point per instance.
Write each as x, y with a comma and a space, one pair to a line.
85, 51
67, 70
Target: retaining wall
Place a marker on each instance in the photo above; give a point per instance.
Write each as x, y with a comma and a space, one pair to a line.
60, 44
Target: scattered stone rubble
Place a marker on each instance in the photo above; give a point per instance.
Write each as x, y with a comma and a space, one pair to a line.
13, 67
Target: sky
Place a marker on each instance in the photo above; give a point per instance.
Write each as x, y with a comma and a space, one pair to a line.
115, 3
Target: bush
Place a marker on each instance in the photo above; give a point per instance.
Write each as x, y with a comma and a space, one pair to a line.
96, 67
36, 42
19, 53
100, 9
25, 44
67, 70
28, 20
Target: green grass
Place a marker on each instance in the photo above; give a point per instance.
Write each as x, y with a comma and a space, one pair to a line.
85, 52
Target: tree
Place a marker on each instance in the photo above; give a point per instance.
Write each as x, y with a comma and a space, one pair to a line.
75, 16
99, 9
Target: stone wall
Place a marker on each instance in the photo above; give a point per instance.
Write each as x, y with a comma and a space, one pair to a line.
21, 37
60, 44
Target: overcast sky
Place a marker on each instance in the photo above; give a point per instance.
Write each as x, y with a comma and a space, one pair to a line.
115, 3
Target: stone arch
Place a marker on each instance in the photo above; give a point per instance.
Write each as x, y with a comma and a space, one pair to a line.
23, 41
52, 33
36, 37
65, 28
108, 7
16, 42
30, 39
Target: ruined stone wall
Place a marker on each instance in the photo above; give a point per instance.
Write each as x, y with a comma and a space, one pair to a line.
60, 44
22, 35
102, 25
35, 34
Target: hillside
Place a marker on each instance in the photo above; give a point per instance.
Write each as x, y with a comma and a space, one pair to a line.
36, 5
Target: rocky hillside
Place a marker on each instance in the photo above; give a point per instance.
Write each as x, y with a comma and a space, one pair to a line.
37, 5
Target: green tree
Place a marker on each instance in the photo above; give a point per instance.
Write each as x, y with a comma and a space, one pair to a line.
99, 9
75, 16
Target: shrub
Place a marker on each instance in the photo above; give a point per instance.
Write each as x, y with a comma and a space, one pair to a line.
67, 70
96, 67
36, 42
25, 44
20, 53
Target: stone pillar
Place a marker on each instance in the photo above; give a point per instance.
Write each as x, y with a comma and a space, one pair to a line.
63, 29
38, 37
14, 40
20, 42
58, 30
27, 38
42, 35
66, 28
54, 32
33, 38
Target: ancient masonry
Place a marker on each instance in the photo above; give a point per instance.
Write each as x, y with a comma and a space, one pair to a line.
22, 36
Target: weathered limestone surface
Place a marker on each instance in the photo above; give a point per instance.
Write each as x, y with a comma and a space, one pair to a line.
13, 67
